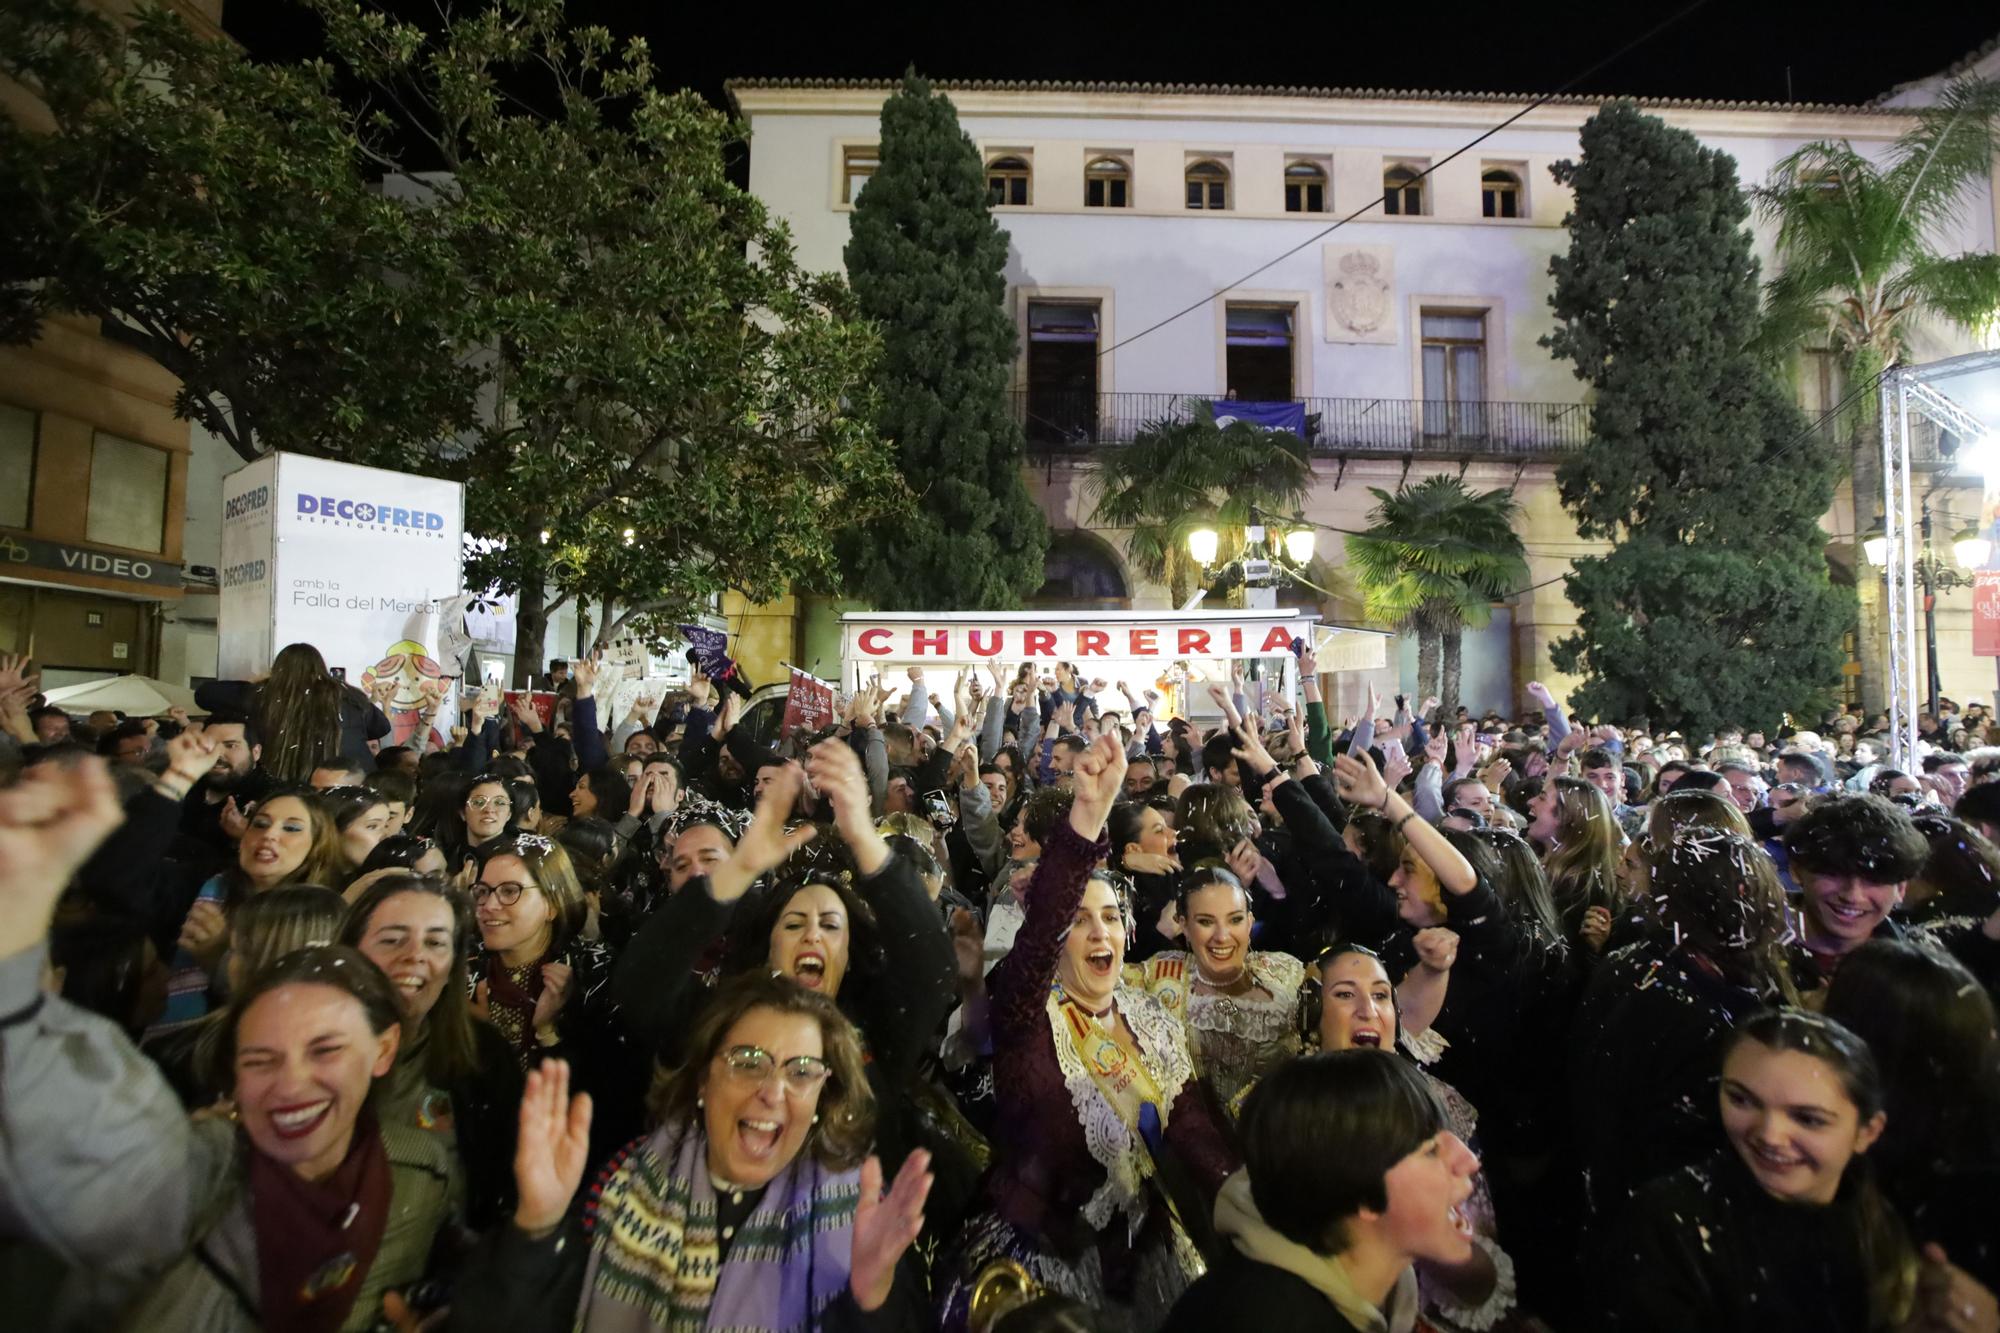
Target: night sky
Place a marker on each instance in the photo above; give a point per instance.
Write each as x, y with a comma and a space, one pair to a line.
1835, 50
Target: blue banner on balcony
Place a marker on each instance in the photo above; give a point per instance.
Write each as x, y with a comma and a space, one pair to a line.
1271, 416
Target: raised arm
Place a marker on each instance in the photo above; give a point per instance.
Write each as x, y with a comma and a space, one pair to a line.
98, 1161
1019, 983
1558, 724
584, 734
1360, 785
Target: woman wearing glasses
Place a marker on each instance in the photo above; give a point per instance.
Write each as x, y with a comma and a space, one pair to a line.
486, 815
753, 1205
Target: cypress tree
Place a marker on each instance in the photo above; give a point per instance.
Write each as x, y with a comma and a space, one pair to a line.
1713, 605
926, 261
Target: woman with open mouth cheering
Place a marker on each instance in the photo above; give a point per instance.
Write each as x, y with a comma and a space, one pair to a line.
753, 1206
298, 1213
1099, 1109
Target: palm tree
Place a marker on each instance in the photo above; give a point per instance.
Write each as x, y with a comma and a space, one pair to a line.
1177, 476
1434, 560
1856, 247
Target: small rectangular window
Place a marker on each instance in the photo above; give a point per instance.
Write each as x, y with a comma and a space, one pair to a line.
857, 164
128, 494
17, 466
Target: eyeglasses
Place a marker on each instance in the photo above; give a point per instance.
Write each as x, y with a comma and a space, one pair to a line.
753, 1064
497, 802
508, 893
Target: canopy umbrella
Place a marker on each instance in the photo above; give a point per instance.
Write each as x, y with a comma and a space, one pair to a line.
134, 696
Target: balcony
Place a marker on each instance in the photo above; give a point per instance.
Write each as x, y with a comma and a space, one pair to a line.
1069, 421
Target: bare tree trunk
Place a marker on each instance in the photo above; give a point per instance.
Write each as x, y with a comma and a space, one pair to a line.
531, 624
1452, 644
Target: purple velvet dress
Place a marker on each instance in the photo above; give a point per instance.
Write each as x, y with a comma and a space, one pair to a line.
1046, 1182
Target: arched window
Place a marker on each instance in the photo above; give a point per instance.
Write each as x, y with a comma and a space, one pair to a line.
1007, 182
1080, 572
1402, 192
1207, 184
1500, 194
1107, 183
1305, 188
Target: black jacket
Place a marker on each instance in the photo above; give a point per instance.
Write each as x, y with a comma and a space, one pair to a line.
1242, 1293
1706, 1248
1646, 1067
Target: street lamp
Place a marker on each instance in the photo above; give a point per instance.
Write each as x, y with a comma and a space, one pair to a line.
1969, 551
1201, 545
1299, 546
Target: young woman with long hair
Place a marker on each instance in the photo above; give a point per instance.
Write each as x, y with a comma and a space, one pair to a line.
1582, 842
290, 840
1783, 1227
455, 1075
304, 713
301, 1212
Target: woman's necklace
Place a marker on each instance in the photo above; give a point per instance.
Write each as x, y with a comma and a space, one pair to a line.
1243, 985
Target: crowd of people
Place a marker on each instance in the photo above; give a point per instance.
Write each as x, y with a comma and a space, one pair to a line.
1000, 1003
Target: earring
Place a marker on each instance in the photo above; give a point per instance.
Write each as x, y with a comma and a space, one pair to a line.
700, 1102
815, 1119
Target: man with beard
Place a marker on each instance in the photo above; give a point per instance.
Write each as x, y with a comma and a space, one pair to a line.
214, 813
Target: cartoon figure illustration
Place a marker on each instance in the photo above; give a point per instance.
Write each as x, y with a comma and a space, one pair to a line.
409, 686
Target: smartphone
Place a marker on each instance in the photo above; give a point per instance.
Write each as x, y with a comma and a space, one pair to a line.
1392, 749
339, 673
937, 808
494, 673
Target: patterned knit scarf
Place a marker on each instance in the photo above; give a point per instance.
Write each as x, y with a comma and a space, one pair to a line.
654, 1259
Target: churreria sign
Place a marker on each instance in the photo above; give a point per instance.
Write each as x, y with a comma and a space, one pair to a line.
343, 512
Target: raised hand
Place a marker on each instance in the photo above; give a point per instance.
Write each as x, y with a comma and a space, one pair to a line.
584, 670
50, 823
885, 1226
190, 756
1098, 781
14, 672
836, 774
1355, 777
765, 845
527, 714
1540, 693
1152, 863
1245, 861
1395, 767
1227, 704
1436, 749
1596, 928
1250, 750
552, 1149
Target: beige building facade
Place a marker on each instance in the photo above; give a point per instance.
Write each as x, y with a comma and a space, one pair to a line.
1410, 332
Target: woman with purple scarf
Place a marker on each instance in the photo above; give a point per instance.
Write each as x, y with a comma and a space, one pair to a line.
753, 1204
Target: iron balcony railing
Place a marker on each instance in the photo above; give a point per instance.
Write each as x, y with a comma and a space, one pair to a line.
1060, 420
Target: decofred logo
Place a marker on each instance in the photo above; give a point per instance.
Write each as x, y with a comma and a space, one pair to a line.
343, 513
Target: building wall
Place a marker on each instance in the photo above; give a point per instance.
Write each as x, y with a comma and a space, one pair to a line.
1146, 263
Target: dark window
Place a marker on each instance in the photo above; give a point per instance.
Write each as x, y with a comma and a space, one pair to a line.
1107, 183
1062, 372
1305, 188
1500, 194
1207, 185
1258, 352
1402, 192
1007, 182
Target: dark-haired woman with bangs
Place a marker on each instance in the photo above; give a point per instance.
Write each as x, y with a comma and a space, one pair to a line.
1351, 1176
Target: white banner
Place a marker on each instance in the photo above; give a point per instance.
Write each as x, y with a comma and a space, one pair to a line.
972, 640
352, 560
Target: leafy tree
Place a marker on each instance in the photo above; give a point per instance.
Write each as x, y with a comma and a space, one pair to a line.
926, 262
579, 315
217, 216
1713, 605
678, 408
1179, 475
1434, 560
1858, 257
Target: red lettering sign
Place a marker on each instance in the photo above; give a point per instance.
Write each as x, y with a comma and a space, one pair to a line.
874, 642
1193, 642
1279, 639
1142, 641
999, 641
1093, 643
1038, 642
1986, 613
1235, 638
929, 641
